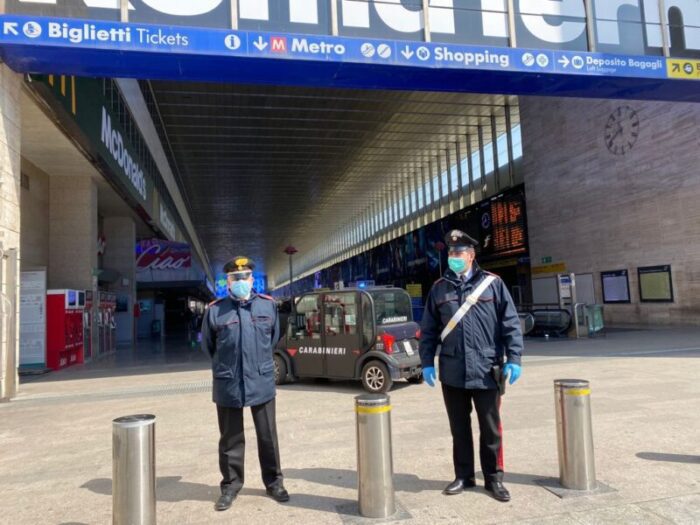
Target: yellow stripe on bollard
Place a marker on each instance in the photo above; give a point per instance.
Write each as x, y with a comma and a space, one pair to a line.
577, 391
373, 410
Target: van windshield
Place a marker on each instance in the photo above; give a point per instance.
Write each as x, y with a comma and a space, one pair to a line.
391, 306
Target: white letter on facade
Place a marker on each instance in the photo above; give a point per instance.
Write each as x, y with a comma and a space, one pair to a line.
690, 10
355, 13
253, 10
300, 11
398, 17
183, 7
494, 18
533, 13
303, 11
442, 17
99, 4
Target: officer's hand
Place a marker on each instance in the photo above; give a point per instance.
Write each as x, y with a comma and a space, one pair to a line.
513, 370
429, 375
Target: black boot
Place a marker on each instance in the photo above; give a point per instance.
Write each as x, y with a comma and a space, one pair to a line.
458, 486
498, 491
278, 493
225, 500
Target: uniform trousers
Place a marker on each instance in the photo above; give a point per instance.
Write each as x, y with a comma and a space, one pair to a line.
458, 402
232, 446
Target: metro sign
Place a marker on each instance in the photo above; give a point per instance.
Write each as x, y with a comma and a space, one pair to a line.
627, 26
278, 44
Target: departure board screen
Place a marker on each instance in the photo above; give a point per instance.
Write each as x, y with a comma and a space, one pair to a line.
503, 225
508, 226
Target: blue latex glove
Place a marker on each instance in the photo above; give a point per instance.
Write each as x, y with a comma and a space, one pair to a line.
513, 370
429, 375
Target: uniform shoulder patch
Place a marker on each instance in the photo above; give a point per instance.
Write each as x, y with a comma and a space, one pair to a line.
268, 297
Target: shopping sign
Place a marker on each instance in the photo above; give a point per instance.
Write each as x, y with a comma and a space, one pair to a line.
157, 254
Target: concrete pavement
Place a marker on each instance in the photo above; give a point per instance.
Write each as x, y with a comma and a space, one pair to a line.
55, 465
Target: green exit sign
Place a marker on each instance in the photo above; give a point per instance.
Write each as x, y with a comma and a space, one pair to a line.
546, 260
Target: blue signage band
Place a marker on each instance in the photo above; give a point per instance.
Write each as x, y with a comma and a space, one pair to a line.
112, 49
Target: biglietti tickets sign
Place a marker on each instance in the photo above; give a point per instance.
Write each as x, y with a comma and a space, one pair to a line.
460, 45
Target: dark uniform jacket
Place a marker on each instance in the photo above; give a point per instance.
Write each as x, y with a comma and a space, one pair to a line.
240, 337
489, 331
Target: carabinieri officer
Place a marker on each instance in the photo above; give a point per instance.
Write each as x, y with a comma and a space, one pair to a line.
240, 332
471, 314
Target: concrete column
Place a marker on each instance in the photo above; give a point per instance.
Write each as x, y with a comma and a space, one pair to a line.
10, 133
120, 237
72, 232
73, 237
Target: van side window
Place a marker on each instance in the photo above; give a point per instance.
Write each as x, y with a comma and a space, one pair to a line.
367, 321
392, 306
340, 313
308, 319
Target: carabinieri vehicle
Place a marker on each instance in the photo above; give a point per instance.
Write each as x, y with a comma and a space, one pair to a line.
366, 334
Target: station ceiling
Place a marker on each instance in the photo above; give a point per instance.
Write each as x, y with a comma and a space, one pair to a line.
262, 167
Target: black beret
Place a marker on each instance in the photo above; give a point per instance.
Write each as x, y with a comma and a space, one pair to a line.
457, 239
239, 264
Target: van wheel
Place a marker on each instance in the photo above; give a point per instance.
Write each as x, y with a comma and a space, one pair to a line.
376, 378
280, 370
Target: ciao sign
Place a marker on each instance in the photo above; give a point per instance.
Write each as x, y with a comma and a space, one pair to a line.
162, 255
620, 26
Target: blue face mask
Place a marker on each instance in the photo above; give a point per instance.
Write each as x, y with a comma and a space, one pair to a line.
456, 264
240, 289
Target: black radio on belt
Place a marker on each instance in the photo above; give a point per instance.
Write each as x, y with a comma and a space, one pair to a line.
499, 378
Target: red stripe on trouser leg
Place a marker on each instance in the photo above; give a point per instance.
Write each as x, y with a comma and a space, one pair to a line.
499, 461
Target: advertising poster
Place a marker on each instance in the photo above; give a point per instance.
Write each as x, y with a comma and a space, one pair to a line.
655, 284
616, 287
32, 328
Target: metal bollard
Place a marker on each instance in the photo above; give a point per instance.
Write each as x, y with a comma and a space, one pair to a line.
375, 469
134, 470
574, 434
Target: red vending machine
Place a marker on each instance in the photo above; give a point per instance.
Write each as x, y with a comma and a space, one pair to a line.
64, 328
